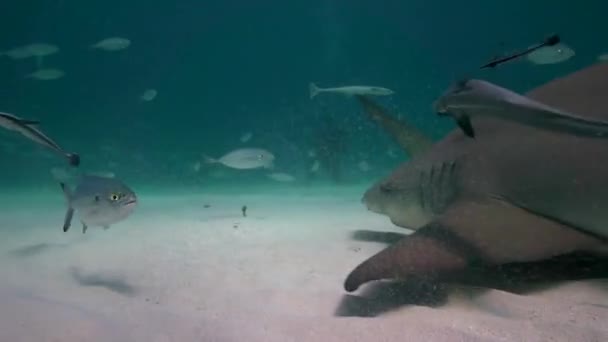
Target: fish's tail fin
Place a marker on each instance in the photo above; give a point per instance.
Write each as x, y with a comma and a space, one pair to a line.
209, 160
73, 159
67, 221
313, 90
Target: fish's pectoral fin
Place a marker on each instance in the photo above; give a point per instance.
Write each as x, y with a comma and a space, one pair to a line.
473, 232
464, 122
67, 221
84, 227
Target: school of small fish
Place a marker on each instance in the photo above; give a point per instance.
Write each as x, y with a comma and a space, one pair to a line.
101, 200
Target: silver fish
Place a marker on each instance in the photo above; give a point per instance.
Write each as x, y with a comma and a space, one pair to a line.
350, 90
100, 201
245, 158
281, 177
27, 128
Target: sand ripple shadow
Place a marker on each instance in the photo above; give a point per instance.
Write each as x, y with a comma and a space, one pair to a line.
382, 297
376, 236
114, 283
34, 249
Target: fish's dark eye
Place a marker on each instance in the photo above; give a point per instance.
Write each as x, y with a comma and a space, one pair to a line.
114, 197
261, 156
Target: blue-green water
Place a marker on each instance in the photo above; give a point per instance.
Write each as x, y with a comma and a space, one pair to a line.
222, 69
225, 68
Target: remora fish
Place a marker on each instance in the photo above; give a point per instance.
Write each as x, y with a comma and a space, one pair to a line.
516, 195
477, 98
27, 129
99, 201
350, 90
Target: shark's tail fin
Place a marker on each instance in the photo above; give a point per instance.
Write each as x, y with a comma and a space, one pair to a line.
313, 89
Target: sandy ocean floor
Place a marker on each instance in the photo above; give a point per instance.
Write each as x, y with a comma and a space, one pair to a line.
177, 271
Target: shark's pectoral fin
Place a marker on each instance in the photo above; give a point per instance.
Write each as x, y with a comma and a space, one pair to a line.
488, 232
426, 252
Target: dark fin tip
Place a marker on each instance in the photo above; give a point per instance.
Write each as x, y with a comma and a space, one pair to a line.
552, 40
74, 159
29, 122
464, 122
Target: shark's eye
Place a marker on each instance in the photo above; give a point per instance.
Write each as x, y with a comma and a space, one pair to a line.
387, 188
114, 197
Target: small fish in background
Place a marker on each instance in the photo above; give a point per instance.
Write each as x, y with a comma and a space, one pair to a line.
27, 128
38, 50
551, 54
281, 177
246, 137
315, 166
99, 202
245, 158
112, 44
603, 57
46, 74
350, 90
196, 166
41, 50
149, 95
104, 174
364, 166
548, 42
18, 53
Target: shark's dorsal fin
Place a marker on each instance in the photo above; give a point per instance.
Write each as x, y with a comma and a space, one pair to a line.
411, 139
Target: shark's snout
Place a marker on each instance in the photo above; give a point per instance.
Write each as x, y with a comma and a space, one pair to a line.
370, 200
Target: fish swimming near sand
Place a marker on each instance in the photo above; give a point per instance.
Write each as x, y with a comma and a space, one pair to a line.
467, 100
515, 194
28, 129
281, 177
245, 158
98, 201
350, 90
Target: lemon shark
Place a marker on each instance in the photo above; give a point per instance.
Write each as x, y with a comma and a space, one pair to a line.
521, 191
